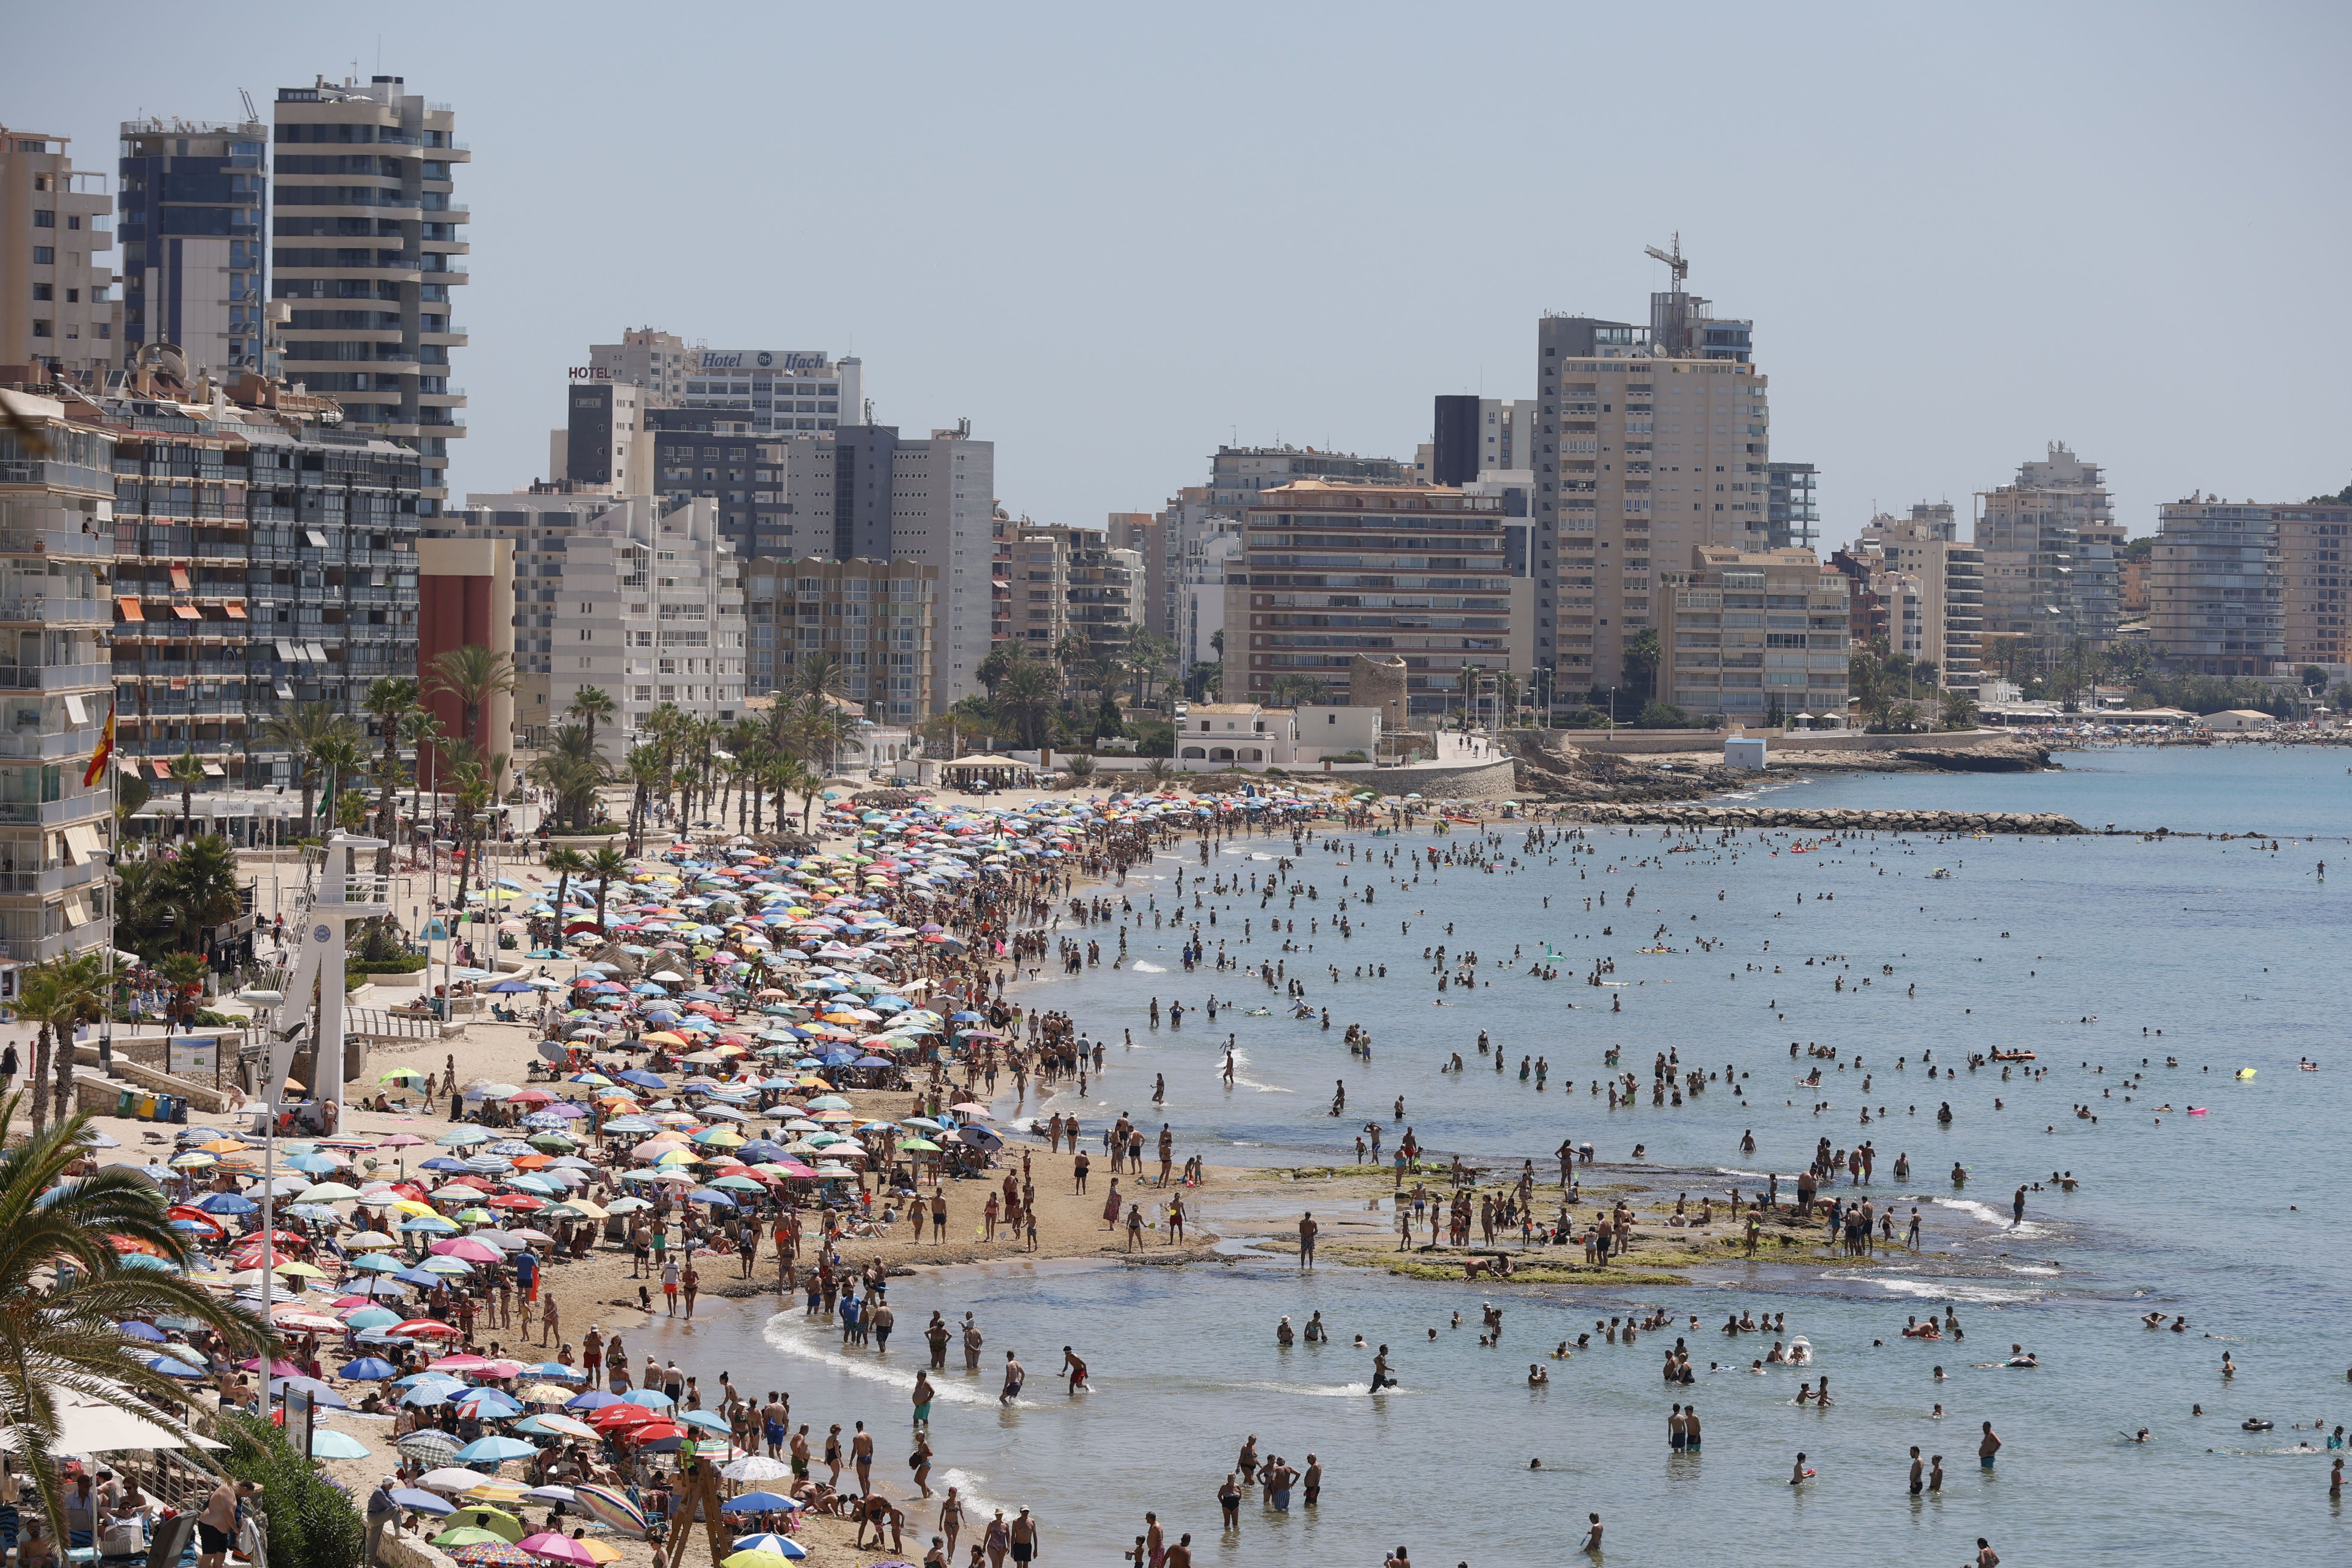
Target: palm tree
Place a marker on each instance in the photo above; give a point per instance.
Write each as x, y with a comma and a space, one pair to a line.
1299, 691
420, 728
608, 864
60, 1333
566, 863
818, 675
200, 887
59, 993
300, 729
1160, 770
1026, 695
470, 787
473, 674
648, 771
342, 758
188, 773
390, 700
789, 775
592, 707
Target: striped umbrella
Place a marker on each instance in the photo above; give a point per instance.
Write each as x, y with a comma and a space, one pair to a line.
494, 1554
613, 1509
429, 1444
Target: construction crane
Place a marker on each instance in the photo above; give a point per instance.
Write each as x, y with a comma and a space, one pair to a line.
1673, 260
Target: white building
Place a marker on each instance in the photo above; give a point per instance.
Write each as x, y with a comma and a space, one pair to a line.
777, 390
617, 593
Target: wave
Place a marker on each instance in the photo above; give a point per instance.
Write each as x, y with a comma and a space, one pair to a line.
782, 1334
1148, 968
1942, 1289
1991, 1215
976, 1508
1751, 1175
1316, 1390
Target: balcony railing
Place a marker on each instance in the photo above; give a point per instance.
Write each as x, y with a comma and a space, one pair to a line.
53, 676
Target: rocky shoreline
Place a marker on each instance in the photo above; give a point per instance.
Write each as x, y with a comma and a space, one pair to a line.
1553, 769
1829, 821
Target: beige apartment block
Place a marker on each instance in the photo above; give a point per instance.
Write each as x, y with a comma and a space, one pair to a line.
878, 619
1950, 586
2315, 544
1755, 636
2215, 595
57, 307
1071, 580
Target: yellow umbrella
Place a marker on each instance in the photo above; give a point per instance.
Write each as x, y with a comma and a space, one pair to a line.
301, 1271
411, 1206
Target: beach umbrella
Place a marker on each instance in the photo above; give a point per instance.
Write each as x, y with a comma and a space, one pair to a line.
493, 1554
327, 1444
756, 1467
427, 1446
756, 1560
769, 1540
482, 1516
553, 1547
468, 1535
421, 1501
757, 1502
612, 1510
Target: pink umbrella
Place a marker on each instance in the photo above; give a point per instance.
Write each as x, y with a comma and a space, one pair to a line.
556, 1548
467, 1248
457, 1363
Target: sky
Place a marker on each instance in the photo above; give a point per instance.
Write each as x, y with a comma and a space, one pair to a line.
1117, 237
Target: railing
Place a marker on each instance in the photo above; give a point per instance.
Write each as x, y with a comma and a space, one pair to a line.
54, 813
52, 678
48, 609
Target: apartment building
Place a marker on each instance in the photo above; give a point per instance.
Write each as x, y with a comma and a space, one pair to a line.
2316, 587
1754, 636
57, 549
645, 357
878, 619
1236, 474
2216, 589
1656, 441
2051, 546
1328, 570
640, 599
262, 558
1474, 436
58, 309
1792, 508
194, 225
1070, 581
366, 243
1950, 580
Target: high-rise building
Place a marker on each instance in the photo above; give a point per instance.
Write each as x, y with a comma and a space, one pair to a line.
638, 599
1654, 441
1070, 581
2216, 594
1792, 509
366, 244
2050, 543
57, 549
876, 618
2315, 544
57, 305
193, 225
1236, 474
645, 357
262, 558
1330, 570
1477, 435
1949, 577
773, 391
1757, 635
609, 441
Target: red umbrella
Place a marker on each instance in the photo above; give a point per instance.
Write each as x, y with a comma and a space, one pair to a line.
613, 1416
530, 1097
655, 1431
520, 1202
428, 1327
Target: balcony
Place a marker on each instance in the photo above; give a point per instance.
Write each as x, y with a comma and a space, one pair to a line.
37, 746
56, 677
56, 879
55, 475
55, 813
47, 611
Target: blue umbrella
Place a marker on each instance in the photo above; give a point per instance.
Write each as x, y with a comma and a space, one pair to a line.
488, 1403
651, 1398
418, 1278
711, 1195
558, 1372
376, 1263
511, 987
594, 1399
227, 1203
138, 1329
496, 1450
755, 1502
172, 1367
422, 1502
369, 1368
641, 1078
781, 1545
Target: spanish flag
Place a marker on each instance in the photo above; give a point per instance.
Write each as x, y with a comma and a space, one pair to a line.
98, 758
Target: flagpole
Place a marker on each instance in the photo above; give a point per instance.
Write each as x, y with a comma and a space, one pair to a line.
114, 833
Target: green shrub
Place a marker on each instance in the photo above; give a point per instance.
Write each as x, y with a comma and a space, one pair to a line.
313, 1523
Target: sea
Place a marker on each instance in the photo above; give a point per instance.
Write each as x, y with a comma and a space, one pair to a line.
2169, 985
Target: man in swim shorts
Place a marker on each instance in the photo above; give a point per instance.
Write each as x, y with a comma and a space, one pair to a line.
1988, 1446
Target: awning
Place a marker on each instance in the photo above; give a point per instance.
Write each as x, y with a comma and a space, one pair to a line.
315, 537
285, 692
74, 710
316, 654
76, 909
187, 612
87, 1425
82, 839
180, 578
235, 610
289, 652
129, 605
215, 770
163, 769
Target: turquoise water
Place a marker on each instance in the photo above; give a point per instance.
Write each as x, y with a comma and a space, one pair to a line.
2067, 947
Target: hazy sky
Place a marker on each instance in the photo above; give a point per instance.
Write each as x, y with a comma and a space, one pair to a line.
1116, 238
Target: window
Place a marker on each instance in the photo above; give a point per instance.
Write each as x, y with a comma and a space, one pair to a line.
44, 218
44, 291
45, 255
40, 329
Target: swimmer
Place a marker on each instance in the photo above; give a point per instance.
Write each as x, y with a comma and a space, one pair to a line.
1536, 1375
1798, 1474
